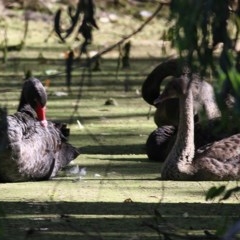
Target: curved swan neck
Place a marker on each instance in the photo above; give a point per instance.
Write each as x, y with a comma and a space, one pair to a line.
150, 87
180, 158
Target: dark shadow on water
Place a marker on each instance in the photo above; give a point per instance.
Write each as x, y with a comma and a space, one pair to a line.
114, 149
108, 220
85, 119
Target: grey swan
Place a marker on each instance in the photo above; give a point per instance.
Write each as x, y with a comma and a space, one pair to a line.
32, 148
216, 161
166, 116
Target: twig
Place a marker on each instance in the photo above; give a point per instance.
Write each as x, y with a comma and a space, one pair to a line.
139, 29
111, 47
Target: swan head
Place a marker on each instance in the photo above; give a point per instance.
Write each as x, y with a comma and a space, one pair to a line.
34, 94
175, 88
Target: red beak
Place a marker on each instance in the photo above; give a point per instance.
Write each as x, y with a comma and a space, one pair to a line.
41, 114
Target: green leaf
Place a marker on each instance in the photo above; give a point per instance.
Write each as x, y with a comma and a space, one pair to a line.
215, 192
229, 192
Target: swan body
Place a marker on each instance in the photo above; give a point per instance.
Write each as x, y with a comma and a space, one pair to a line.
219, 160
29, 149
161, 140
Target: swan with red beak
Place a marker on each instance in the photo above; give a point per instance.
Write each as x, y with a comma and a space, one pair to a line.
32, 148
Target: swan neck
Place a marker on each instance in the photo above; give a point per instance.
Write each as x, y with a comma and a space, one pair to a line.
185, 135
178, 164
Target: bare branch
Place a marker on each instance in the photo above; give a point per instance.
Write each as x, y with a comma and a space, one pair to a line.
139, 29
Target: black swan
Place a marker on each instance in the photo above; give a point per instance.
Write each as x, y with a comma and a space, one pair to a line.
166, 116
32, 148
167, 112
219, 160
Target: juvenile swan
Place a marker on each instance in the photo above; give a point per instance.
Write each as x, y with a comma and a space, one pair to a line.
219, 160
